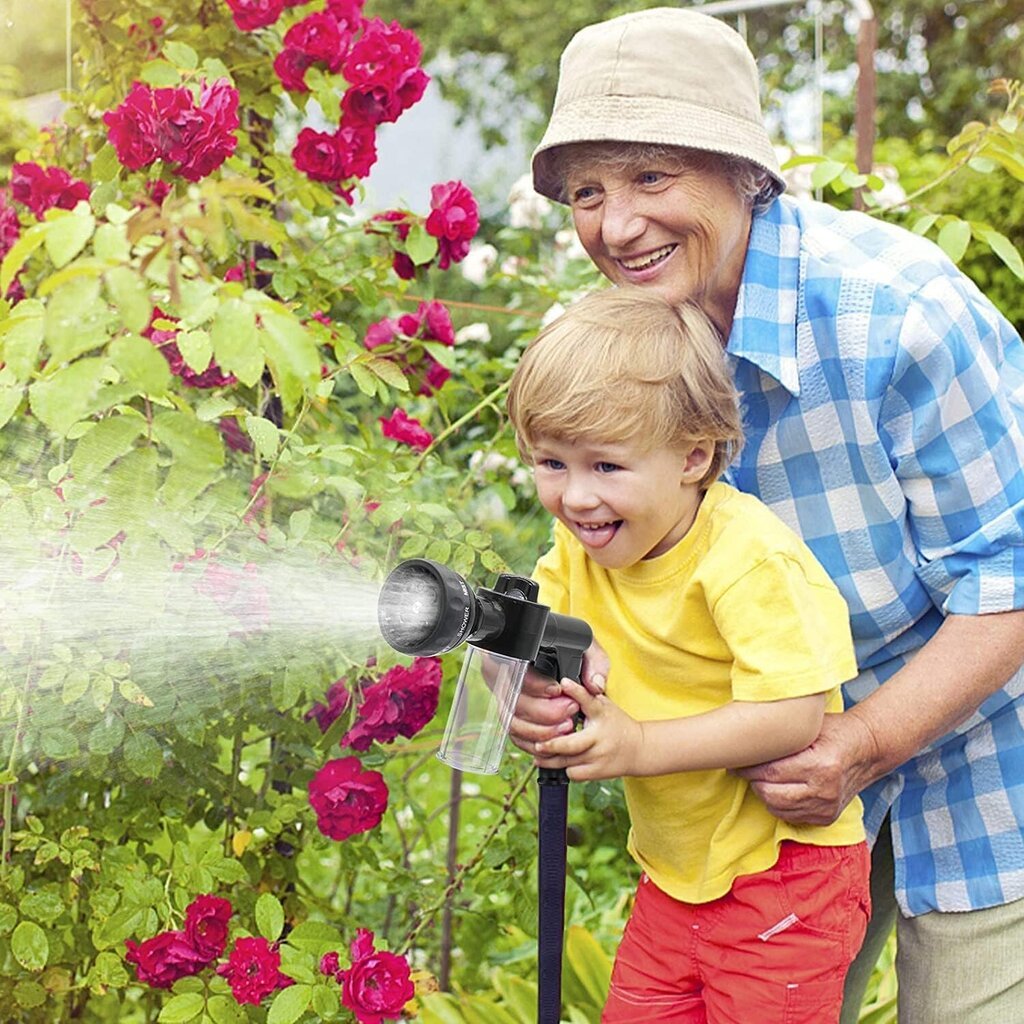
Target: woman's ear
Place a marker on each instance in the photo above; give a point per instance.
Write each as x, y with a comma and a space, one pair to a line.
697, 461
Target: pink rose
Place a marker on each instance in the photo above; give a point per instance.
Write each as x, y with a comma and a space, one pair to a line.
377, 985
168, 124
383, 70
321, 38
206, 925
42, 188
338, 699
400, 703
453, 220
290, 67
358, 145
406, 430
10, 226
250, 15
252, 970
348, 12
317, 155
346, 798
163, 959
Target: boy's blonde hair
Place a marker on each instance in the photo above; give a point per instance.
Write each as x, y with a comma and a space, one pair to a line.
625, 365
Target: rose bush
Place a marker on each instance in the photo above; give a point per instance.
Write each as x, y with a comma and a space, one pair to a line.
230, 400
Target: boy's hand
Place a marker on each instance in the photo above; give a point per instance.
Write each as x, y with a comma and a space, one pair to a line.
544, 711
607, 747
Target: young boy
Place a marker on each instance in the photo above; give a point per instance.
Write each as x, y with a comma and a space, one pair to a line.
728, 643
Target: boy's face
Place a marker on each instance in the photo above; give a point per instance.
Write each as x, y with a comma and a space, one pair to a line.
622, 502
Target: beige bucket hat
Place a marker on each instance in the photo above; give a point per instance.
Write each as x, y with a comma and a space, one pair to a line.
664, 75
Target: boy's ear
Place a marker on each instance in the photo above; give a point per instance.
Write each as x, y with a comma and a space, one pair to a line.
696, 462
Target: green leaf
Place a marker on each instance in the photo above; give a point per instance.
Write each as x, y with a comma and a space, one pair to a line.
17, 256
826, 172
160, 73
76, 319
182, 55
195, 348
29, 994
10, 399
30, 946
130, 296
235, 341
195, 445
291, 352
182, 1008
265, 436
316, 937
954, 237
103, 444
105, 737
22, 334
105, 165
289, 1004
8, 918
60, 744
589, 962
421, 246
389, 373
67, 233
68, 396
224, 1010
143, 756
269, 916
924, 224
365, 380
1001, 246
140, 363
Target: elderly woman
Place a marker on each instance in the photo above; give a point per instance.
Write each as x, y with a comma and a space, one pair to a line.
883, 401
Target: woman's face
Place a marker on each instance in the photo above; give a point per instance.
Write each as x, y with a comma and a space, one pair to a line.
667, 224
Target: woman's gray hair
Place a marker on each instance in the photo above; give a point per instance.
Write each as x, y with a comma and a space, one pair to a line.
751, 183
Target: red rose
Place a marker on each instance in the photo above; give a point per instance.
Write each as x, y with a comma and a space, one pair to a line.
133, 128
253, 971
348, 12
206, 925
381, 54
377, 985
163, 959
290, 67
346, 798
321, 38
167, 124
376, 103
316, 154
453, 220
253, 14
358, 146
400, 703
406, 430
338, 699
42, 188
10, 226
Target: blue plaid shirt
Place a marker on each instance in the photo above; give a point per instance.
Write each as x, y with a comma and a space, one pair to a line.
883, 399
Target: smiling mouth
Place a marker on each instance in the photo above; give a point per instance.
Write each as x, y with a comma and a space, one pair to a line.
648, 259
597, 534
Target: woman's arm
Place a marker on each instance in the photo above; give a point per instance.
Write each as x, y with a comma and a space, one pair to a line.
613, 744
966, 661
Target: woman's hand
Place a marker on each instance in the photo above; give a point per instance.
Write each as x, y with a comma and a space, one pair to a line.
607, 747
544, 712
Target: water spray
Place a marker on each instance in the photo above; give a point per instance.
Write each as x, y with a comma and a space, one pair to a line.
426, 609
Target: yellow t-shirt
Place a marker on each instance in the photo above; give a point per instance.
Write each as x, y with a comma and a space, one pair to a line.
739, 609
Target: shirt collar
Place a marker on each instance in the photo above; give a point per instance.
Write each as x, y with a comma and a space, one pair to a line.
764, 324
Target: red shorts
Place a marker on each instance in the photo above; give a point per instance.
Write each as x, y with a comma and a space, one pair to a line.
773, 950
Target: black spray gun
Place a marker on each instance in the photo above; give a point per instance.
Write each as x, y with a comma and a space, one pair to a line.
426, 609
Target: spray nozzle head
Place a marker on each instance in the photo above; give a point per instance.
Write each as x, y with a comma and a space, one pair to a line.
425, 608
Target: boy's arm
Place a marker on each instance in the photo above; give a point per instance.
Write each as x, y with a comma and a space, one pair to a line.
612, 744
